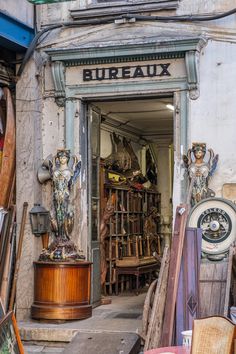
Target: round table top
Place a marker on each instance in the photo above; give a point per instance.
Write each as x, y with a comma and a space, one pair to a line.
169, 350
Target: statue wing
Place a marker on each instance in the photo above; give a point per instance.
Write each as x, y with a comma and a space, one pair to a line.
213, 165
77, 168
187, 158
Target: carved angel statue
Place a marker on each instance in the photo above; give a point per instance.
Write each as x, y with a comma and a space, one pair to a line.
63, 177
200, 171
63, 169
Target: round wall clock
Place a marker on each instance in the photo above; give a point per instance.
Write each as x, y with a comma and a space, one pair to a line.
217, 219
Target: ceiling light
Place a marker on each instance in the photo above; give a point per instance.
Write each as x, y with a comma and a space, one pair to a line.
170, 106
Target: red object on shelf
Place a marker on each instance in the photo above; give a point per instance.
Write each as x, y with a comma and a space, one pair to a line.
169, 350
1, 142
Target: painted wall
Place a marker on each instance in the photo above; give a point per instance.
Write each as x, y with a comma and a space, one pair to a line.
22, 10
48, 14
212, 115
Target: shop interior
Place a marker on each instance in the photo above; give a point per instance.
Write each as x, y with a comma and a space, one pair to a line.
136, 183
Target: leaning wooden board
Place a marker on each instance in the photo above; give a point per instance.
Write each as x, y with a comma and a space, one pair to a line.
212, 284
9, 151
173, 276
187, 304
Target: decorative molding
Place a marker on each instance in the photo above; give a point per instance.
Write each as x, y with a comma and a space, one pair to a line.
162, 48
58, 74
122, 7
133, 58
192, 68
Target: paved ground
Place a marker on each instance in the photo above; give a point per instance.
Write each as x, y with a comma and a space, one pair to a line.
124, 314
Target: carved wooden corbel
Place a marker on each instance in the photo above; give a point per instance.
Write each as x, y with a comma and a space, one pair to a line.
58, 74
192, 68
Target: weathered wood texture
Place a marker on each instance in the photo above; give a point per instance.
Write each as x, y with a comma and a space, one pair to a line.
212, 285
173, 277
152, 334
148, 307
9, 150
230, 280
187, 304
62, 290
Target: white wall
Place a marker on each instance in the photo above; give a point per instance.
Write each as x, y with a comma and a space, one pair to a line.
213, 114
22, 10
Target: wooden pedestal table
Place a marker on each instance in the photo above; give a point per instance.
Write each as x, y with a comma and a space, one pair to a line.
136, 271
62, 290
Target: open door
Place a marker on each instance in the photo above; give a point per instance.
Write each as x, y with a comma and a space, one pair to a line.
94, 118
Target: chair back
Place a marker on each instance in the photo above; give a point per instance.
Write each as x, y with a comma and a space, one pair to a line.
213, 335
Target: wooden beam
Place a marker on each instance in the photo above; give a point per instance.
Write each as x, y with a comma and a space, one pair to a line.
173, 277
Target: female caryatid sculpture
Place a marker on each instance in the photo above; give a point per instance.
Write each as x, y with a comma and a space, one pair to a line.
63, 170
200, 171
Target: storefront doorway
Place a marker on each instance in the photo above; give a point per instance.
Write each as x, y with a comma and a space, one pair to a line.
131, 148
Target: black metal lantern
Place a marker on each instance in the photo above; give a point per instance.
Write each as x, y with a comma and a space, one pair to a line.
39, 220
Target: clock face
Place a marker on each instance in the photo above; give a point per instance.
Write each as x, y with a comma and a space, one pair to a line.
216, 225
217, 219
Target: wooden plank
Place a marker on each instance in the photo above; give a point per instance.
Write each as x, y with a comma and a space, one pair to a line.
229, 280
154, 331
212, 287
173, 277
9, 149
187, 305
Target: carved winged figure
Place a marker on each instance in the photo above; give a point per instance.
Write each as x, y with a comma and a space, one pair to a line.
200, 171
63, 169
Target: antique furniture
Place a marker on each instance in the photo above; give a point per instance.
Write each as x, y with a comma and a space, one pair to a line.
126, 244
61, 290
136, 271
212, 335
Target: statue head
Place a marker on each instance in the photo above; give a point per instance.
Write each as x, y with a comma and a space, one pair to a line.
199, 150
63, 156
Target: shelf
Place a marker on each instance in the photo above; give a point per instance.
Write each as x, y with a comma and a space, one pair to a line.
131, 211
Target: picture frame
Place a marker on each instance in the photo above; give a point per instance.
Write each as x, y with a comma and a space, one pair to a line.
10, 342
2, 310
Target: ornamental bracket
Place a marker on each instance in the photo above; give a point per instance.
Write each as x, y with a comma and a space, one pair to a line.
192, 68
58, 74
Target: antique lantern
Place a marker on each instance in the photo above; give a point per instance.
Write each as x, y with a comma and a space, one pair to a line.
39, 220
